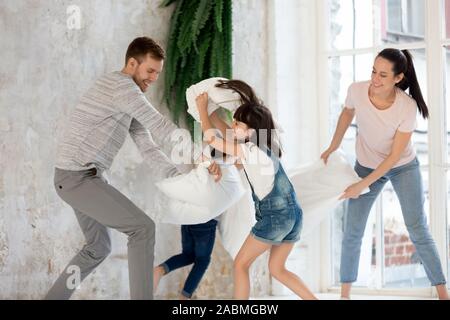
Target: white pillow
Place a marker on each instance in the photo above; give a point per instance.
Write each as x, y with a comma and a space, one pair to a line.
196, 198
319, 186
218, 97
236, 223
173, 211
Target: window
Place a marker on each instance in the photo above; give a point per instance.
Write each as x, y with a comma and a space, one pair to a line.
405, 20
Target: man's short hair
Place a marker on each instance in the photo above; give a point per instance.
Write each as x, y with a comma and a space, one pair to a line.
142, 46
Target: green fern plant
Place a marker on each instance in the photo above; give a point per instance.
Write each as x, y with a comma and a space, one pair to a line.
199, 47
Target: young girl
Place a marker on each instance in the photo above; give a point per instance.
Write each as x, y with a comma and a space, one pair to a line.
278, 213
386, 119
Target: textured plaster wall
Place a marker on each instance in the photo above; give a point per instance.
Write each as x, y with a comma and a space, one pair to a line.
48, 61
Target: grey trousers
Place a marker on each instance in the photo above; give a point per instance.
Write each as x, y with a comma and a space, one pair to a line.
98, 206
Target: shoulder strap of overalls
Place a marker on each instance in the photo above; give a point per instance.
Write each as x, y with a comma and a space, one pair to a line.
269, 153
251, 186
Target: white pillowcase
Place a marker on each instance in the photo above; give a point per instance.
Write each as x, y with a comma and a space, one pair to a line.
218, 97
236, 223
195, 197
319, 186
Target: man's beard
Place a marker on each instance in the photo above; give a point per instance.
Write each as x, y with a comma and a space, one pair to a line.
140, 84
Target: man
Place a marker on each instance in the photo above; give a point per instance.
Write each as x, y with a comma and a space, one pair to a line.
112, 108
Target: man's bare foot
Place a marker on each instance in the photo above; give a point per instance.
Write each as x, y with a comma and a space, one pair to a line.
183, 297
158, 273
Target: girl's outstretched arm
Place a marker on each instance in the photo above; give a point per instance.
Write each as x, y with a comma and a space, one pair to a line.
210, 137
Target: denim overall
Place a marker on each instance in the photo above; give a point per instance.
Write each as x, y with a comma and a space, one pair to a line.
278, 215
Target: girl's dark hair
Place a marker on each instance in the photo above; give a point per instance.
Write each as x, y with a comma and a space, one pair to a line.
403, 63
254, 114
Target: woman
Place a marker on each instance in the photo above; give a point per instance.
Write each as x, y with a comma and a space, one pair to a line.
386, 119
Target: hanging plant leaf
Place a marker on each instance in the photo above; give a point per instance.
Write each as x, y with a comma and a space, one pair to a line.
218, 11
204, 41
199, 46
201, 16
186, 37
228, 40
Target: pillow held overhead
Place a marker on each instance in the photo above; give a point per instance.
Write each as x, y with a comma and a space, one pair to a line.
218, 97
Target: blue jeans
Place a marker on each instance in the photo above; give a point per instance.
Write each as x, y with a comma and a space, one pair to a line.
407, 183
197, 244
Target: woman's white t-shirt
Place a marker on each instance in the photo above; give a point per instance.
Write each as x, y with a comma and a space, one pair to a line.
377, 128
260, 169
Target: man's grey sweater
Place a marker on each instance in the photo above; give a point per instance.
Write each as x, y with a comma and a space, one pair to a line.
98, 126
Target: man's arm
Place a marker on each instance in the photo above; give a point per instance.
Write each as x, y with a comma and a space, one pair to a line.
152, 153
130, 99
150, 150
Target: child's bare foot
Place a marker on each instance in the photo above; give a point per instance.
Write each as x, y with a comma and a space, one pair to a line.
183, 297
158, 273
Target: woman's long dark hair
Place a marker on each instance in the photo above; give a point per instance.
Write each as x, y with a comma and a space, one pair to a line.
403, 63
254, 114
